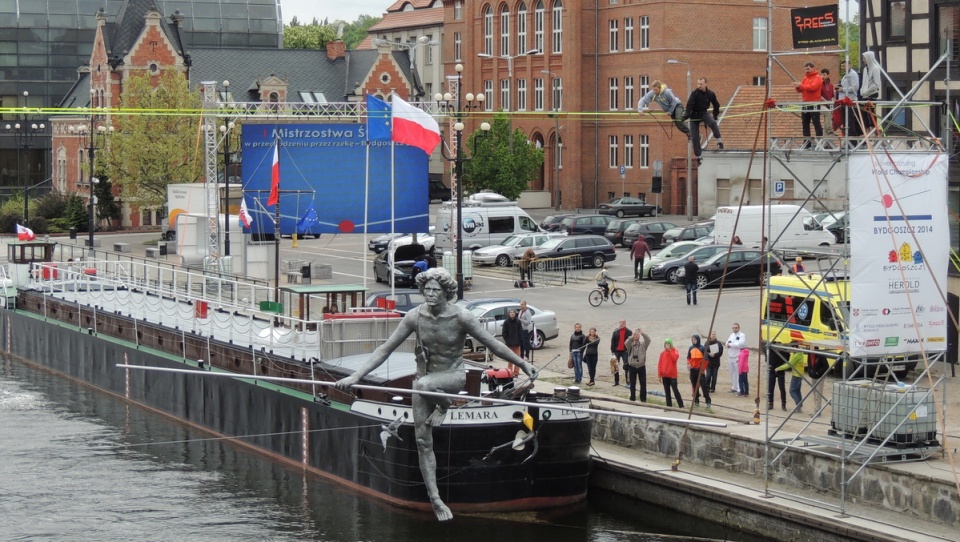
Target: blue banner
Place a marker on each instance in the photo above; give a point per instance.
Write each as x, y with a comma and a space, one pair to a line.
323, 167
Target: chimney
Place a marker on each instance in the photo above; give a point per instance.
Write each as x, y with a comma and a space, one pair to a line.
336, 49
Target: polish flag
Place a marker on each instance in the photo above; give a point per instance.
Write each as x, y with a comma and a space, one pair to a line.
25, 234
414, 127
274, 198
245, 218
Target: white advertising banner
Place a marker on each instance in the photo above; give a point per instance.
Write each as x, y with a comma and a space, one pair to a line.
899, 247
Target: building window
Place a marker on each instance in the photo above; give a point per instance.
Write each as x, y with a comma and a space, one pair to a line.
488, 30
629, 100
614, 152
557, 27
644, 151
429, 50
760, 81
488, 95
614, 35
628, 34
644, 85
898, 19
505, 94
458, 10
557, 94
522, 28
538, 94
948, 25
457, 46
759, 33
504, 31
645, 32
628, 151
538, 26
614, 94
521, 94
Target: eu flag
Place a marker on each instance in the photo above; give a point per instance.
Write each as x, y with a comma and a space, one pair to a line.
378, 119
308, 219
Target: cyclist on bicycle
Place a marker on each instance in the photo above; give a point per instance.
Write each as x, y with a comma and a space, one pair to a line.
603, 281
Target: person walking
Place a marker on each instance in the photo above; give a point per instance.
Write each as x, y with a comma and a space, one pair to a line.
735, 342
743, 365
591, 355
511, 332
667, 372
670, 104
638, 253
636, 365
690, 270
714, 349
698, 110
697, 365
847, 88
618, 347
578, 342
776, 377
796, 364
810, 89
526, 330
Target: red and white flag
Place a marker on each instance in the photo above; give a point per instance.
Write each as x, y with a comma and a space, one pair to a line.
25, 234
245, 218
413, 126
274, 198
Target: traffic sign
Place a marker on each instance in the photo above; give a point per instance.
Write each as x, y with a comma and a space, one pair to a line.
779, 189
623, 171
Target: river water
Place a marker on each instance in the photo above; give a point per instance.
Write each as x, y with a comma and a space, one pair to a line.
79, 465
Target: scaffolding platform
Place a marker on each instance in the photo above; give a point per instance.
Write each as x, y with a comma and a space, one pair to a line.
860, 452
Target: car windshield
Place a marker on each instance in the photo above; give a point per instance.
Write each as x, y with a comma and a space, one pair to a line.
511, 241
567, 221
673, 232
633, 228
614, 224
552, 243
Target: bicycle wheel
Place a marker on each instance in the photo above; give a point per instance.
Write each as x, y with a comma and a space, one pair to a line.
618, 296
595, 297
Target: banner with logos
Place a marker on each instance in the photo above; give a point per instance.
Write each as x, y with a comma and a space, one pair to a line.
899, 242
815, 27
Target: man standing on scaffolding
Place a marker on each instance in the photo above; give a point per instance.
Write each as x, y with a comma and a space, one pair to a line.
698, 110
810, 91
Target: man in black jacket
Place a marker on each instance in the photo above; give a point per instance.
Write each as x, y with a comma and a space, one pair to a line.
698, 110
690, 270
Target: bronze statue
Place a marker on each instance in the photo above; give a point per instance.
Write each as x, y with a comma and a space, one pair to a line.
441, 328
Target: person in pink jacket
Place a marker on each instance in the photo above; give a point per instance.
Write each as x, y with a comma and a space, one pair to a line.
743, 363
667, 372
811, 90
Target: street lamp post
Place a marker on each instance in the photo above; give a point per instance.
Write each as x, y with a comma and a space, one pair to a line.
509, 104
226, 129
24, 131
87, 136
459, 113
689, 149
555, 105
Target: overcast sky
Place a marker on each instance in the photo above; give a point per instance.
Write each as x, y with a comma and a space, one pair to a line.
347, 10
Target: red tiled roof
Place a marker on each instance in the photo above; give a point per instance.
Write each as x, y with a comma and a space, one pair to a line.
366, 44
417, 4
740, 118
407, 19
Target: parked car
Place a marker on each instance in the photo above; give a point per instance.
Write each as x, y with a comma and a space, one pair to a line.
492, 315
615, 229
668, 269
437, 190
469, 304
511, 249
425, 239
687, 233
585, 224
743, 266
593, 250
399, 272
552, 222
624, 206
675, 250
405, 299
379, 244
651, 231
836, 223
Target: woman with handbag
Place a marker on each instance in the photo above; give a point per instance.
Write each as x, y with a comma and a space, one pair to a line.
590, 354
577, 343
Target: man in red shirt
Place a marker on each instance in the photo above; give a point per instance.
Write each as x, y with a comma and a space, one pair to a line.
810, 89
618, 347
638, 253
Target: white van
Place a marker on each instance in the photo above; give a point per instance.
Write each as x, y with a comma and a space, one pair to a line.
484, 224
791, 226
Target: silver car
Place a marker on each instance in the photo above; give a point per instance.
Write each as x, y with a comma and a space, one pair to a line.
494, 313
511, 249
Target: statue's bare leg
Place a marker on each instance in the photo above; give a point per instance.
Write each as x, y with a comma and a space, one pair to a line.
428, 460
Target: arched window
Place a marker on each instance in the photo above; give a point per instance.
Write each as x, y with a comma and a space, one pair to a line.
487, 30
538, 26
504, 31
557, 26
522, 28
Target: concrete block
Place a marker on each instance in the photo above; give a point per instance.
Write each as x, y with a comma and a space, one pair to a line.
121, 247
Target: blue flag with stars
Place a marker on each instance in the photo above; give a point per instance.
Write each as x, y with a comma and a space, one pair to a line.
378, 119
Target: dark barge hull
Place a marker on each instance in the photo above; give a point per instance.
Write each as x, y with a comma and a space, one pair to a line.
326, 437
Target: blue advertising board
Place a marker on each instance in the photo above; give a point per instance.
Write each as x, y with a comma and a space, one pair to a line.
324, 167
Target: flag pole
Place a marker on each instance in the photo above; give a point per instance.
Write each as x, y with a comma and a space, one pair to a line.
275, 185
366, 207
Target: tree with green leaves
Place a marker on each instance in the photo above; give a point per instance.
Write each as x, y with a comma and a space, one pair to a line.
150, 149
850, 32
495, 167
313, 36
